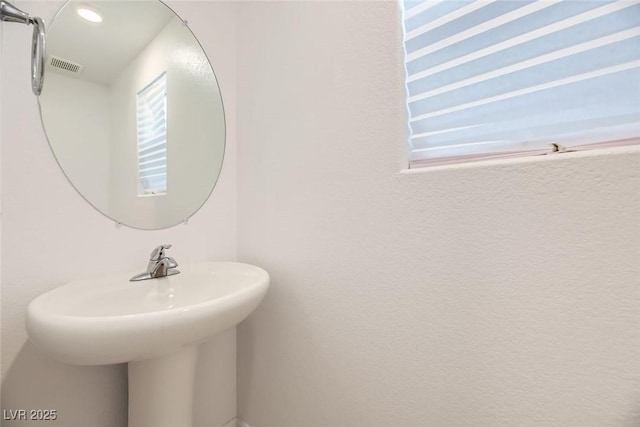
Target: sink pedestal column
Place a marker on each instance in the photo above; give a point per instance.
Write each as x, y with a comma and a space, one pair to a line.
161, 390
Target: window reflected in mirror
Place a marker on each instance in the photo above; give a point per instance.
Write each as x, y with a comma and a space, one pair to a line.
152, 137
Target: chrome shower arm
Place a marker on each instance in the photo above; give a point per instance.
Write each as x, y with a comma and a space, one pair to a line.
10, 13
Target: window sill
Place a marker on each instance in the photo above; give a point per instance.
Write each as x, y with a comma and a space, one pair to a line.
526, 159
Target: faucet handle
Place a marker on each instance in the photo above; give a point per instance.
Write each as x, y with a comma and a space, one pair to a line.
158, 253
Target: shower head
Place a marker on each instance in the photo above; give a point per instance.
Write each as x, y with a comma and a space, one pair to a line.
10, 13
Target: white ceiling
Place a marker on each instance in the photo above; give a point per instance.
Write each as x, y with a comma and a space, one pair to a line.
106, 48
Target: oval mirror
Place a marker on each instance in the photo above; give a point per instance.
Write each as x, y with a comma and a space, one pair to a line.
132, 111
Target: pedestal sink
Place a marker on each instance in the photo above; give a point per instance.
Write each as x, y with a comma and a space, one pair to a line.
154, 325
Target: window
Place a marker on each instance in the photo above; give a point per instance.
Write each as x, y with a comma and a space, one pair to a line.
511, 77
152, 137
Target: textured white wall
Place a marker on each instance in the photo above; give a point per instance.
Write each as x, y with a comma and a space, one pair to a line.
51, 235
486, 295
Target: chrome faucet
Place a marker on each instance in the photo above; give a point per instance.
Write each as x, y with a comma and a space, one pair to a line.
159, 265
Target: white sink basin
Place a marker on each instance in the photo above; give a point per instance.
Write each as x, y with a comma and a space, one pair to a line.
112, 320
155, 325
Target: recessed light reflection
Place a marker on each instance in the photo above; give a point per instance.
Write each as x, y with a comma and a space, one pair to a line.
90, 15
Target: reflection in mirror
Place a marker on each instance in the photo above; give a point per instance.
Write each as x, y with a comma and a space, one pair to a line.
132, 111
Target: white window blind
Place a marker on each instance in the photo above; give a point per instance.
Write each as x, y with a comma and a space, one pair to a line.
152, 136
494, 78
